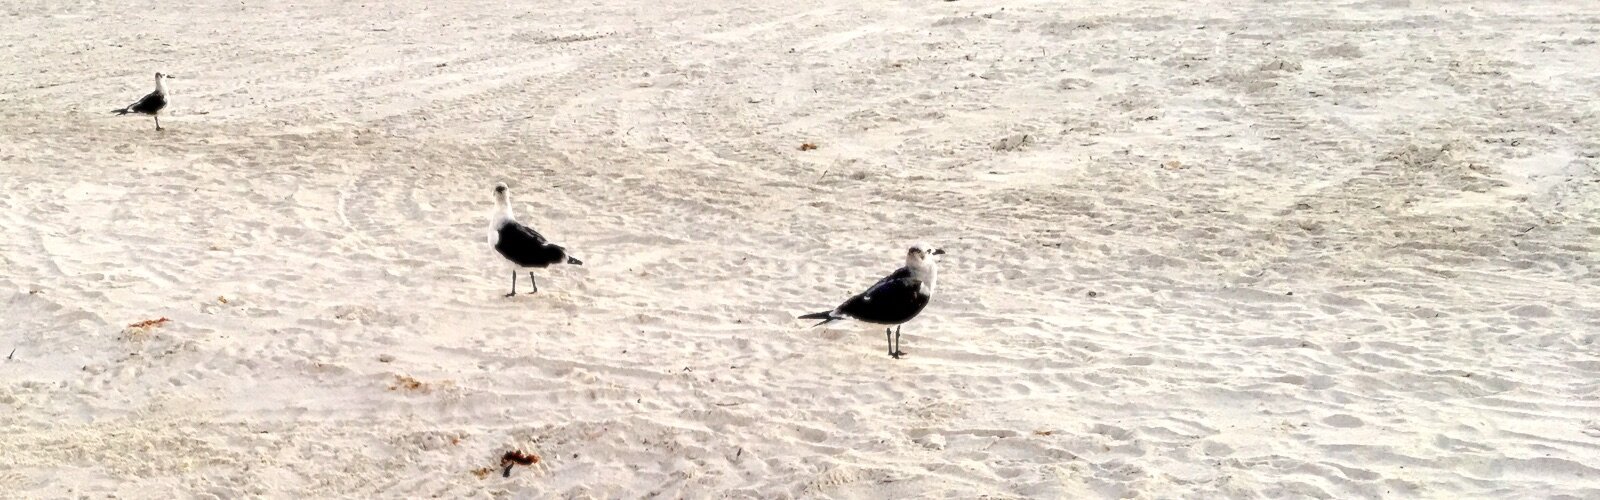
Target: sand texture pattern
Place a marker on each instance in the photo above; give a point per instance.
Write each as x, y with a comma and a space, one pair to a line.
1243, 249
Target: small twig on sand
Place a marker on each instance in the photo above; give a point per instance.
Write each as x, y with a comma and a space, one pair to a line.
513, 458
13, 353
150, 323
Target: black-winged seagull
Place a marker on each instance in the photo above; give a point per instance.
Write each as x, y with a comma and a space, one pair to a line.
893, 300
152, 103
520, 244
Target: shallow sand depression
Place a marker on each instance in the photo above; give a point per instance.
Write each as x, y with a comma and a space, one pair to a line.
1231, 249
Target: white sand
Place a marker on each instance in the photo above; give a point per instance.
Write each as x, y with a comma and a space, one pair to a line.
1420, 175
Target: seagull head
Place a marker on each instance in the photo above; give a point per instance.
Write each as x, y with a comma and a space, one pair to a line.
161, 81
921, 255
502, 194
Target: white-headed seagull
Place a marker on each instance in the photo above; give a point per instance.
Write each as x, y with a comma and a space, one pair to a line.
523, 247
152, 103
894, 300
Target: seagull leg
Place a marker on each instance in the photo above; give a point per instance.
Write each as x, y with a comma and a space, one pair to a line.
535, 282
513, 284
158, 121
889, 339
897, 352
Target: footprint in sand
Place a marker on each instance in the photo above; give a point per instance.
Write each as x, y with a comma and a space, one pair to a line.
1343, 421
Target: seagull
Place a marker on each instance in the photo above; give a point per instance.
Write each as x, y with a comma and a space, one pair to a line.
893, 300
520, 244
151, 104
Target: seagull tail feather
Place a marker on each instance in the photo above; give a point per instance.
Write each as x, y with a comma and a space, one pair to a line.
825, 316
573, 261
122, 111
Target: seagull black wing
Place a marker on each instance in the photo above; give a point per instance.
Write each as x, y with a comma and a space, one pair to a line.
887, 281
149, 105
894, 299
527, 248
523, 231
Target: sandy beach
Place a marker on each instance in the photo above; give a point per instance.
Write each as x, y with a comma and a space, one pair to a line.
1233, 249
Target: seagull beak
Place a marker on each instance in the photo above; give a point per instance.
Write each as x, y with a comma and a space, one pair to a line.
938, 251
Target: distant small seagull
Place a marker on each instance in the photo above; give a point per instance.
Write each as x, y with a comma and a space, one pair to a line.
151, 104
524, 247
894, 300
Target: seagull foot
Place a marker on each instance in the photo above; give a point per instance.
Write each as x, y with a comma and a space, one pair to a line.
897, 354
510, 295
